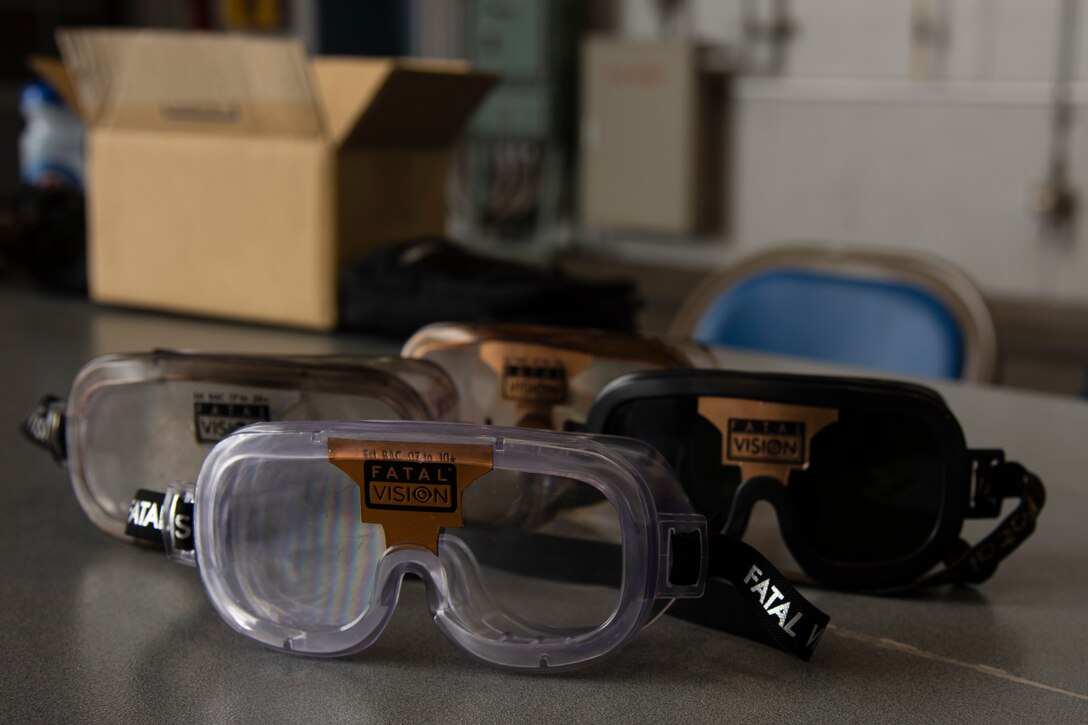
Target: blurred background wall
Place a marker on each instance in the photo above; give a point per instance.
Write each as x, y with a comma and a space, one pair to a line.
955, 127
926, 124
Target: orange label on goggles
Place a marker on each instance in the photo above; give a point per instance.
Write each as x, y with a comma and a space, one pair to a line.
413, 490
534, 374
533, 377
765, 439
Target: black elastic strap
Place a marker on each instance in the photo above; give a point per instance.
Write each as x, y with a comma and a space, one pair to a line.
146, 519
751, 599
557, 558
974, 564
747, 596
45, 426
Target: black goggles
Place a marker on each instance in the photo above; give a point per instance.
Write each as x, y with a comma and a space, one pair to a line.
871, 480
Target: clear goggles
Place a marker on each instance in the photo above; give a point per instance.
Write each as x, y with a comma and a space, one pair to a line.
303, 533
143, 420
540, 377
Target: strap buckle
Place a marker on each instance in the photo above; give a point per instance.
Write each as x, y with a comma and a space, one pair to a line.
683, 565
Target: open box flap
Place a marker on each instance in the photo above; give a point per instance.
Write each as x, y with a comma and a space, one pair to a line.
191, 81
51, 70
398, 103
347, 86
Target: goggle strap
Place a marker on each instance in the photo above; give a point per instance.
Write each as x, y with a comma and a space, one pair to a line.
978, 563
751, 599
747, 596
754, 601
555, 558
165, 521
145, 517
45, 427
583, 561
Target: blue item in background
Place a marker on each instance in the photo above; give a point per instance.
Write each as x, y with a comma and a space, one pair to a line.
51, 145
880, 324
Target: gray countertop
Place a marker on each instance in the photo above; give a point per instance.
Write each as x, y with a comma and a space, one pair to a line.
93, 630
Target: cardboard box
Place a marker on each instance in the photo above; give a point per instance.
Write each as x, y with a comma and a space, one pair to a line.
232, 176
651, 137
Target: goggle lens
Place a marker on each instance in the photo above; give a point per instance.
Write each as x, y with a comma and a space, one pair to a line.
137, 433
301, 558
299, 554
508, 544
873, 489
866, 488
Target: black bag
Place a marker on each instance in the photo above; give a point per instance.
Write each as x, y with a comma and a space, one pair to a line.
48, 238
398, 289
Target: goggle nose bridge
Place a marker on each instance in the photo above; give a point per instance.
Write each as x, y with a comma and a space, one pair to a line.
751, 492
400, 561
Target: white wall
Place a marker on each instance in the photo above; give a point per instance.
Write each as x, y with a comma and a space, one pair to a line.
953, 176
868, 136
1007, 40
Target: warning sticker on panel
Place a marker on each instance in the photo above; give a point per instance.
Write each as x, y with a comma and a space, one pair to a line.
220, 409
533, 374
413, 490
214, 421
765, 439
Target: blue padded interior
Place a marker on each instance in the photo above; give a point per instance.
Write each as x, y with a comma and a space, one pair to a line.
861, 322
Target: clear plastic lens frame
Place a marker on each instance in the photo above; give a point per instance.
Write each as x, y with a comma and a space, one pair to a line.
144, 420
539, 377
304, 532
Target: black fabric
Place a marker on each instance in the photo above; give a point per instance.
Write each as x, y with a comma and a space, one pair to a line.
402, 287
747, 596
50, 238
